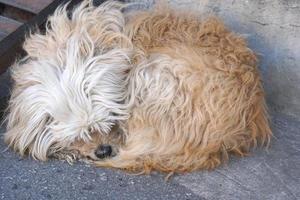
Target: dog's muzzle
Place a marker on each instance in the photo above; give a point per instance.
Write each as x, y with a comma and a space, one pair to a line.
103, 151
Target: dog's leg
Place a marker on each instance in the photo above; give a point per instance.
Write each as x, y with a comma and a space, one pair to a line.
132, 155
147, 149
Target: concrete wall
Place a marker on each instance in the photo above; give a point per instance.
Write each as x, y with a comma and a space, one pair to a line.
273, 31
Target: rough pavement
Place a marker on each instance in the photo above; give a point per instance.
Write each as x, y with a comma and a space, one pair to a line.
272, 174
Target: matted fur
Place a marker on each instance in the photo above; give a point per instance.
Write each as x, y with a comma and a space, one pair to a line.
191, 94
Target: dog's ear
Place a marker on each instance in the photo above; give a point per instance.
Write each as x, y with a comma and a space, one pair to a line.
58, 27
100, 25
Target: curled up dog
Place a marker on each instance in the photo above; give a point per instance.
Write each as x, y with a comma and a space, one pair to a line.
140, 90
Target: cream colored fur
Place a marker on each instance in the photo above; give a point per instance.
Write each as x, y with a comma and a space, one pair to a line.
190, 95
71, 82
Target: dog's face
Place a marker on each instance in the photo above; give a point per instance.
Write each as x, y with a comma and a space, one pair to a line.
55, 104
69, 91
98, 148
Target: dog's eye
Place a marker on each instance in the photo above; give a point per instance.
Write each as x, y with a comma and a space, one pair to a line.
89, 157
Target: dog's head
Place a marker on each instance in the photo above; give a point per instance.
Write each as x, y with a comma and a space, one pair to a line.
69, 90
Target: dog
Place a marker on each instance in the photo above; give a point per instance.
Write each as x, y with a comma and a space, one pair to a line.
140, 90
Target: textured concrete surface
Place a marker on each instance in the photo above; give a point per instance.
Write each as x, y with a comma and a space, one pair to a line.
272, 28
268, 175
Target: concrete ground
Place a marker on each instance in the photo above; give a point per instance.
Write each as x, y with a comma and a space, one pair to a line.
273, 29
268, 175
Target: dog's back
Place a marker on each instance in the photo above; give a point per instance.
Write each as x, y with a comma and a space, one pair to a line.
196, 93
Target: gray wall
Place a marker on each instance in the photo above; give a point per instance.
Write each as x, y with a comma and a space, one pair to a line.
272, 28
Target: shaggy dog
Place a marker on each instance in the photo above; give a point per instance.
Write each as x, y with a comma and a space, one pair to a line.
154, 89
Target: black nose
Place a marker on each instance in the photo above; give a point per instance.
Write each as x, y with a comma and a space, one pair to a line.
103, 151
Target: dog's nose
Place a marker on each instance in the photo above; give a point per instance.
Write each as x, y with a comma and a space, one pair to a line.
103, 151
